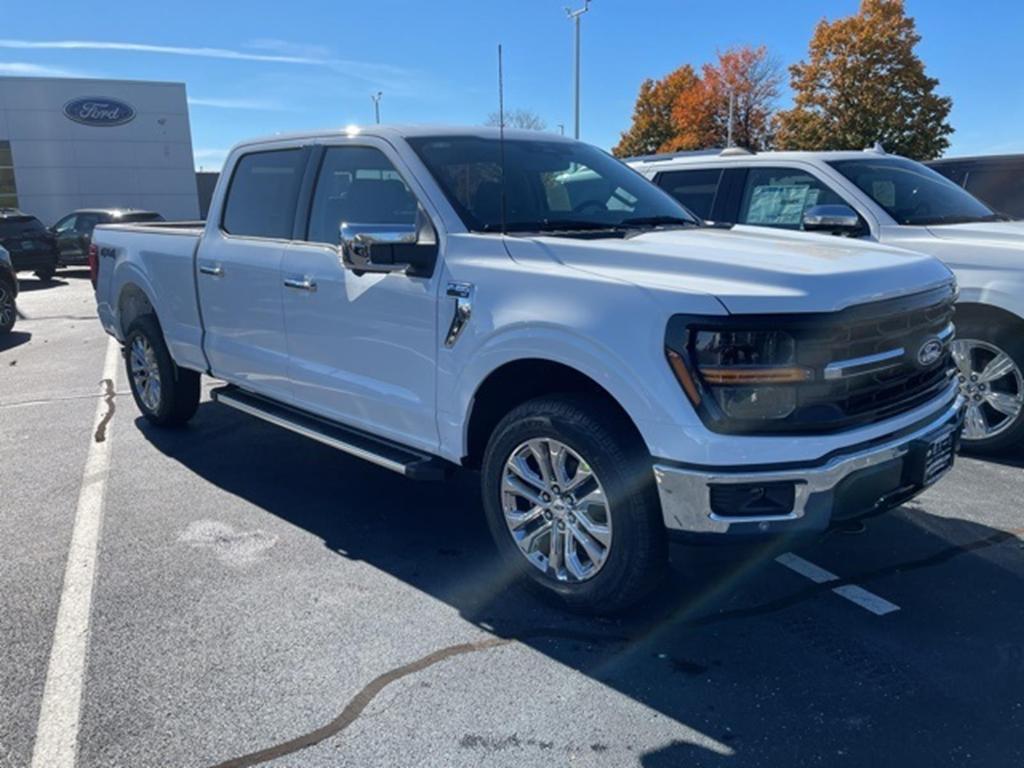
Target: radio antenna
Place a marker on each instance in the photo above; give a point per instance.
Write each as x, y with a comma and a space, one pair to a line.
501, 136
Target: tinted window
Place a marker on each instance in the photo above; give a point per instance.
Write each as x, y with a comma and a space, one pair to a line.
912, 193
141, 216
695, 189
20, 225
86, 223
549, 186
66, 224
358, 185
263, 193
1002, 189
778, 197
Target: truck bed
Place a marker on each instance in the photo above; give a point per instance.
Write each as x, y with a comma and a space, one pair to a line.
159, 258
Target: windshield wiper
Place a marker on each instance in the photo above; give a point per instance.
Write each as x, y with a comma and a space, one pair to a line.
659, 221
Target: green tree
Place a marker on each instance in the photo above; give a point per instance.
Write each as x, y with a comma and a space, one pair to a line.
653, 126
862, 83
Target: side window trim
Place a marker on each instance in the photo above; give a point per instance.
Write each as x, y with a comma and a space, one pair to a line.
305, 149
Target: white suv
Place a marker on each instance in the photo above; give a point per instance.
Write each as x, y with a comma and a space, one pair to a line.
892, 200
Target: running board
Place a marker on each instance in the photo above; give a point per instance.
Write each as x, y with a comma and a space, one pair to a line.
404, 461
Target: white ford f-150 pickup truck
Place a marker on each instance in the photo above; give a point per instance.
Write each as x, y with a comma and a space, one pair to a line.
428, 298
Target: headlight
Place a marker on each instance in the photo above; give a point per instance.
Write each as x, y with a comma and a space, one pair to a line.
750, 375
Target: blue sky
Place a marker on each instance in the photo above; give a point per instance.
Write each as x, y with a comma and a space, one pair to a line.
272, 66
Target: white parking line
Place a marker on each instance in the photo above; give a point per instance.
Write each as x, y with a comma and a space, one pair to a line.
869, 601
56, 743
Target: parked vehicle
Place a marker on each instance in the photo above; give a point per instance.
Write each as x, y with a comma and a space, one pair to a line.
894, 201
8, 293
996, 180
432, 298
74, 231
29, 243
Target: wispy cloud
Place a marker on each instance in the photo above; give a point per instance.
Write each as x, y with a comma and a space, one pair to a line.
256, 104
288, 48
381, 75
25, 69
174, 50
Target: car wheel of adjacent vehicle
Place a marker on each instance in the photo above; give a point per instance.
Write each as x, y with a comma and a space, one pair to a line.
570, 500
8, 309
46, 274
990, 370
166, 394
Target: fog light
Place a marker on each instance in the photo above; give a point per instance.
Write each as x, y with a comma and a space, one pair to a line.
753, 499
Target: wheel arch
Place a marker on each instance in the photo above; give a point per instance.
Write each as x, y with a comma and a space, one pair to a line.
518, 381
977, 311
133, 302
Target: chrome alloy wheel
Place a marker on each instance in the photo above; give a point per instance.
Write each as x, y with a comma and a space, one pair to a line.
556, 510
6, 307
993, 386
145, 372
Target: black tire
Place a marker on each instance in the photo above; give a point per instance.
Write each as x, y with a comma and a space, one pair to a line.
1010, 340
179, 387
637, 556
8, 309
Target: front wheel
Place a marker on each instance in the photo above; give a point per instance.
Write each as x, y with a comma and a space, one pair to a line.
569, 497
166, 394
990, 369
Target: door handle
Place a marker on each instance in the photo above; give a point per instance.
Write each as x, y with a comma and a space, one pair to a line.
216, 271
300, 283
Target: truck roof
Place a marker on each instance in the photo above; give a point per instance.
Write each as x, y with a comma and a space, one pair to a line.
743, 157
407, 132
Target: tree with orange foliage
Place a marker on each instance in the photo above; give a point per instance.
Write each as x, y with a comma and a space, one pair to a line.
652, 126
697, 116
863, 83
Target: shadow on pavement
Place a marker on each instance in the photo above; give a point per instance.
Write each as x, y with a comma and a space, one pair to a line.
1013, 457
35, 284
765, 667
14, 339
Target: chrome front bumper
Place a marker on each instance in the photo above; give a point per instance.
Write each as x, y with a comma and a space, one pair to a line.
685, 494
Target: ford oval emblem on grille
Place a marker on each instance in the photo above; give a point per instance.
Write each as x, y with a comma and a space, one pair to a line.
97, 111
929, 352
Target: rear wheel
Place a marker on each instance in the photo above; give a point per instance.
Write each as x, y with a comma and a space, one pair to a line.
166, 394
46, 273
570, 501
8, 310
990, 370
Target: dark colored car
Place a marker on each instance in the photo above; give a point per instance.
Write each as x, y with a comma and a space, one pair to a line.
33, 248
74, 231
8, 293
996, 180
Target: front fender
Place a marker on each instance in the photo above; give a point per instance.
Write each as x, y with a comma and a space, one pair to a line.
640, 381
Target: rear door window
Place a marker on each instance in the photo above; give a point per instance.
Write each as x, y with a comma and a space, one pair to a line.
778, 197
695, 189
263, 194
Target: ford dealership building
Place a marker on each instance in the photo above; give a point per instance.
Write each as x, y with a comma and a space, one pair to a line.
78, 143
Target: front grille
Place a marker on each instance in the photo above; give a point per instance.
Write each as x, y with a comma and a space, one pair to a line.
886, 388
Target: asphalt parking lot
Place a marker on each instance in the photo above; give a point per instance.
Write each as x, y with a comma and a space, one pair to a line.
260, 599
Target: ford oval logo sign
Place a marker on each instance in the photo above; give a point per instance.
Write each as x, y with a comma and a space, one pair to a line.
96, 111
929, 352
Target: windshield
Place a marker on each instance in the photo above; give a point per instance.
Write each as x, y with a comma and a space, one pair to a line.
550, 186
20, 226
912, 193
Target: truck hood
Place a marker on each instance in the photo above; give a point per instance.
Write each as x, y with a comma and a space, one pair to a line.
751, 271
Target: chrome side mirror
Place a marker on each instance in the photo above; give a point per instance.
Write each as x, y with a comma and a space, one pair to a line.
837, 219
407, 248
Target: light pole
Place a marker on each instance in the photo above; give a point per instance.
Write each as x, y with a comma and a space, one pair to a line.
376, 104
574, 16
